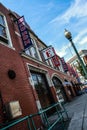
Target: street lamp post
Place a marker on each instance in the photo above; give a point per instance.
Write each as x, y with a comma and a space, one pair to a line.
69, 37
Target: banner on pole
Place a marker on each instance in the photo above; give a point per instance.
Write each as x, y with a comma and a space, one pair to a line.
65, 67
55, 61
24, 33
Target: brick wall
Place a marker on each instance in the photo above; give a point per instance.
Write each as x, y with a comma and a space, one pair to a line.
19, 88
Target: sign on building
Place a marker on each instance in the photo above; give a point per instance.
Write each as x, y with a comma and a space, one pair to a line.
70, 69
65, 67
49, 52
55, 61
24, 33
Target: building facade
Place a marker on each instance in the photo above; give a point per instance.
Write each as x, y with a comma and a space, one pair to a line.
28, 82
74, 62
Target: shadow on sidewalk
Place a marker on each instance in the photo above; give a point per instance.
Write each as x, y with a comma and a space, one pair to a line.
59, 125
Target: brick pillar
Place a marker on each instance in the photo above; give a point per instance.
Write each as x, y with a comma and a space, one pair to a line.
52, 88
73, 91
54, 94
67, 93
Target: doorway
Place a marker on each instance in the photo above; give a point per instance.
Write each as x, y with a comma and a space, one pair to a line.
59, 89
42, 89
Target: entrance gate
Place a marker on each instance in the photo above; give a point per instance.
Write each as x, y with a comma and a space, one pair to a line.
59, 89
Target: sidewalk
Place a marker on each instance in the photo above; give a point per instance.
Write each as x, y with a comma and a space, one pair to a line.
77, 111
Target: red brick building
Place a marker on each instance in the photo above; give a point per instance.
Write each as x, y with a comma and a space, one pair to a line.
25, 77
74, 62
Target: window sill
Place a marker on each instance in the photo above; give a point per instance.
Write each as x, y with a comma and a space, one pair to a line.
3, 39
7, 45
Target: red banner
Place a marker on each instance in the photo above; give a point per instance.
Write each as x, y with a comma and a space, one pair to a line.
69, 68
65, 67
55, 61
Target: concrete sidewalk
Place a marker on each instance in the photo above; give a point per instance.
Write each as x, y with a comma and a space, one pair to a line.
77, 111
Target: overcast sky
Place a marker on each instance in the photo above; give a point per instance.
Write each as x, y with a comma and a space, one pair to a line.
49, 18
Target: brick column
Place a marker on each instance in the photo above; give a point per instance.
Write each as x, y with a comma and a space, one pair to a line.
73, 91
54, 94
67, 93
52, 88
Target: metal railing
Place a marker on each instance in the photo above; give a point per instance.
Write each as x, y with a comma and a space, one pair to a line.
59, 113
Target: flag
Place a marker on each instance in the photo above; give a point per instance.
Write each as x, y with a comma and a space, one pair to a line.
24, 33
65, 67
55, 61
69, 69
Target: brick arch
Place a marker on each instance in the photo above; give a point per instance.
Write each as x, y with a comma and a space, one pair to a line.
57, 76
58, 84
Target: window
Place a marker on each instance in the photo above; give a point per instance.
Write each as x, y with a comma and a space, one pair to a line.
39, 83
4, 33
49, 62
3, 36
32, 50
